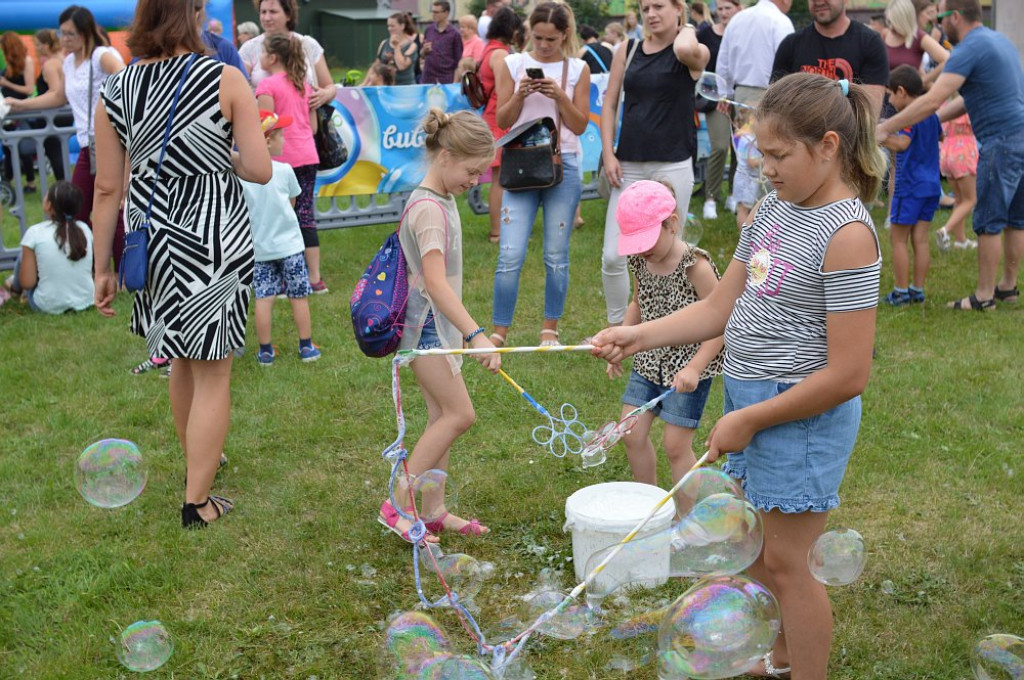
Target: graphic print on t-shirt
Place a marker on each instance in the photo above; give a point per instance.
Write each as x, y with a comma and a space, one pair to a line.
764, 264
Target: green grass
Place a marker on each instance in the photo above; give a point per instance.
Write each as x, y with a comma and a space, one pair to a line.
300, 580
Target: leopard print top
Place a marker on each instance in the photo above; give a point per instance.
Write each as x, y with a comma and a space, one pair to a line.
660, 296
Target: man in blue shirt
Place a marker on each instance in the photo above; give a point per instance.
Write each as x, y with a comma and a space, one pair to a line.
985, 68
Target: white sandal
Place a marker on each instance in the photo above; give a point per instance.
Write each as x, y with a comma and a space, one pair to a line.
497, 339
771, 671
552, 340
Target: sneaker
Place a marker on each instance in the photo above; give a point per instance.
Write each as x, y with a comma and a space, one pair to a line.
165, 372
311, 353
730, 204
319, 288
916, 296
239, 352
710, 210
898, 298
966, 244
147, 365
942, 240
888, 223
266, 358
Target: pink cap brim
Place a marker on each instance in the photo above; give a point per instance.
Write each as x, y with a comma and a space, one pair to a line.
639, 243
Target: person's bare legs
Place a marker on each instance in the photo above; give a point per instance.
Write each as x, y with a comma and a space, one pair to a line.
898, 237
313, 263
264, 318
450, 414
806, 610
640, 452
300, 312
180, 390
494, 207
920, 233
990, 252
206, 426
966, 194
681, 459
1013, 250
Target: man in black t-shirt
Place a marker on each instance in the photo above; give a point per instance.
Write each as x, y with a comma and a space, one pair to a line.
836, 47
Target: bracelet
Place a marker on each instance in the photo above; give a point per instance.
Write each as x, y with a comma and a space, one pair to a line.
475, 333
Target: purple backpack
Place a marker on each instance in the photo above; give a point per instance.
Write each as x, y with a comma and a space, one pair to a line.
380, 297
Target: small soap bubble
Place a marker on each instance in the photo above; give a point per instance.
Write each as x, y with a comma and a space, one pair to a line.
888, 587
998, 657
693, 230
463, 574
717, 629
451, 667
144, 646
110, 473
434, 482
837, 558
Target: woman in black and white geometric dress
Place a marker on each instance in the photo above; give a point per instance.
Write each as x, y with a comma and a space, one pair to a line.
194, 306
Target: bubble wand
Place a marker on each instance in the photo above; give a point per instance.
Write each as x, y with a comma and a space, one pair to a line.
710, 86
594, 453
410, 354
558, 430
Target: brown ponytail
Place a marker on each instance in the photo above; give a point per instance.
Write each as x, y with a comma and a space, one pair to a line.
288, 50
65, 201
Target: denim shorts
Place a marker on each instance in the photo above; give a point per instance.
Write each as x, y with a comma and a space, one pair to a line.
428, 334
909, 210
1000, 185
679, 409
288, 274
797, 466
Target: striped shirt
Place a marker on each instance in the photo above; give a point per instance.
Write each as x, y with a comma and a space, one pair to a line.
777, 329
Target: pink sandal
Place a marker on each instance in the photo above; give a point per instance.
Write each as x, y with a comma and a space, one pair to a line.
389, 518
472, 527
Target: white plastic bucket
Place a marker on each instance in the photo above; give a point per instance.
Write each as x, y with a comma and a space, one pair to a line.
603, 514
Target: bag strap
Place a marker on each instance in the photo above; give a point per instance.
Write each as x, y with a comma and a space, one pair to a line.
558, 113
167, 134
596, 56
88, 128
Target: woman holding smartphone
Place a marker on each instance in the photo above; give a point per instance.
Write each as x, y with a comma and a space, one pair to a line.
658, 140
546, 81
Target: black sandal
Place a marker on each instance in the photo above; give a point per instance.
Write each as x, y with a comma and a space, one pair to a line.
1007, 295
190, 517
975, 304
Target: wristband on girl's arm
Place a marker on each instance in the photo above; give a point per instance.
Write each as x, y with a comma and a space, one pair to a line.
475, 333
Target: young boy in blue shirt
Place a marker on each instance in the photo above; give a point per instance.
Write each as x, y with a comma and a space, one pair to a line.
916, 194
280, 263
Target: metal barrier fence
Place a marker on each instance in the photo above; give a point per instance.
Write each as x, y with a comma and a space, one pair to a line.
331, 212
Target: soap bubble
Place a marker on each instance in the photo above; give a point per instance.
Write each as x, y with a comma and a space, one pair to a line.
702, 482
110, 473
436, 482
711, 86
717, 629
144, 646
451, 667
693, 230
723, 534
837, 557
567, 624
464, 575
413, 639
998, 657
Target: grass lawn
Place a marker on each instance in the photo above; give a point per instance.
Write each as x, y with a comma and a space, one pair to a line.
299, 581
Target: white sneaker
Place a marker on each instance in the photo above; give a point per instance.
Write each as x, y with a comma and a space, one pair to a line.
730, 204
710, 210
888, 223
942, 240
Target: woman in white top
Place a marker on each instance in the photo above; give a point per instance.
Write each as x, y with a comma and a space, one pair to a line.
55, 268
282, 16
88, 63
522, 99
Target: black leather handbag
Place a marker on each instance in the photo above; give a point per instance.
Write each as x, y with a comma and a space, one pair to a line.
530, 156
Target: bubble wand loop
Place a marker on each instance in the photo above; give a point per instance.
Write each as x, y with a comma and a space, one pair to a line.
559, 430
710, 86
410, 354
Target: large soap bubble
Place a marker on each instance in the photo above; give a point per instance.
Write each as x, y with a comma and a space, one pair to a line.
463, 574
723, 534
566, 624
452, 667
837, 557
699, 483
144, 646
110, 473
717, 629
998, 657
413, 640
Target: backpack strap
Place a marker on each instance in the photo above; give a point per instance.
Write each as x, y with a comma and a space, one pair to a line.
596, 56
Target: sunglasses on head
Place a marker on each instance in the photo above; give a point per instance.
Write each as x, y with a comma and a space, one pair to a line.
942, 15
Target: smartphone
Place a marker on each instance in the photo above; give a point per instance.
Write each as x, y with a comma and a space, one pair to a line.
535, 73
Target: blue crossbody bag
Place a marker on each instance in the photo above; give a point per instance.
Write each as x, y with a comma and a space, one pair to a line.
131, 273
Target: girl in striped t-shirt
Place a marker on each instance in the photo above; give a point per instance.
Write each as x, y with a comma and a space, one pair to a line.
797, 307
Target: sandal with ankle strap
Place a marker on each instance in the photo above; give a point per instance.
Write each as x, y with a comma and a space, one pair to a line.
497, 339
771, 671
1011, 295
471, 528
190, 517
389, 518
551, 340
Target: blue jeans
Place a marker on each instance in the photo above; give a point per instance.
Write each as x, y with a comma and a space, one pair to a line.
518, 212
1000, 185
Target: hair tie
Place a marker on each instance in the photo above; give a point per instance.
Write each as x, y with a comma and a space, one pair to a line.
844, 87
69, 218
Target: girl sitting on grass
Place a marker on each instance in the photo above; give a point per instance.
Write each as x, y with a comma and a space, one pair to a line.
460, 148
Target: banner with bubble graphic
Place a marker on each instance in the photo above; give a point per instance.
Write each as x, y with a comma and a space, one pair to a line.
380, 127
